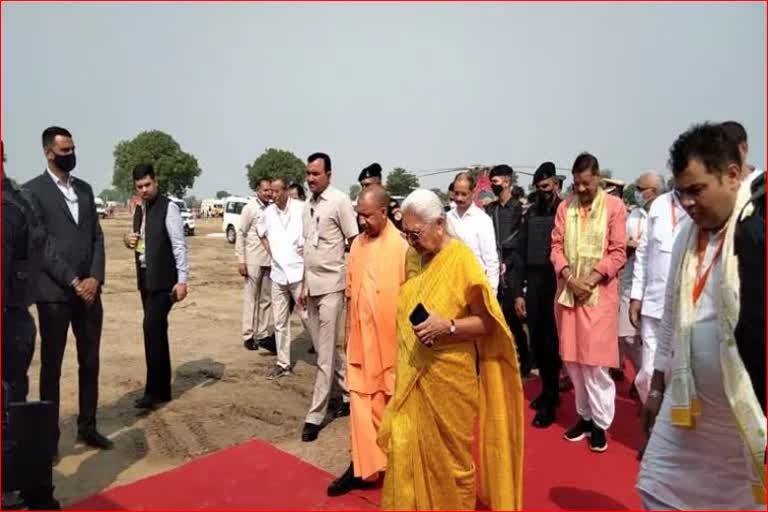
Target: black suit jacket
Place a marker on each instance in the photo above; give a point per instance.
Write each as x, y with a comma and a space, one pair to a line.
74, 249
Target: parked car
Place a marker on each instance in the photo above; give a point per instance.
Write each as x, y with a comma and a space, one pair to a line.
186, 216
101, 209
233, 206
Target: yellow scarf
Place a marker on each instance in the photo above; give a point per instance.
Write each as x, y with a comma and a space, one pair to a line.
584, 242
738, 388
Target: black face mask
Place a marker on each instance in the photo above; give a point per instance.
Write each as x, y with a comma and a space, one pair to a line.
546, 196
497, 189
65, 162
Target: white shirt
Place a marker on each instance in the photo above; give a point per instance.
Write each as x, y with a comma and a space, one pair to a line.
652, 257
475, 228
70, 196
284, 229
635, 227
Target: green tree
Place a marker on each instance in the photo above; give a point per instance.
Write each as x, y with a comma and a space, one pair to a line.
221, 194
192, 202
176, 169
111, 194
442, 195
401, 182
629, 194
354, 191
275, 162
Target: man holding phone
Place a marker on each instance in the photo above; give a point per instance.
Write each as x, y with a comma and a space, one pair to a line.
161, 270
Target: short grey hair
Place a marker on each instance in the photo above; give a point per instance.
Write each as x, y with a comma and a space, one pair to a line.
425, 204
659, 184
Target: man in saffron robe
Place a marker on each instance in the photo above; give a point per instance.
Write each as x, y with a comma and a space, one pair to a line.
588, 250
375, 270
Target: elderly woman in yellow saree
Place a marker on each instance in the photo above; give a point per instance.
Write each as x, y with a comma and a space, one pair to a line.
454, 371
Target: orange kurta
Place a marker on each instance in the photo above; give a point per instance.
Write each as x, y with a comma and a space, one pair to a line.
588, 333
375, 270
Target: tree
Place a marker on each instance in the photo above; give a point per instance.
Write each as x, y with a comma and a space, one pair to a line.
192, 202
111, 194
401, 182
629, 195
275, 163
175, 169
442, 195
221, 194
354, 191
606, 174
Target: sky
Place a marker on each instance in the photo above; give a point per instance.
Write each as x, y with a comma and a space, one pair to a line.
423, 86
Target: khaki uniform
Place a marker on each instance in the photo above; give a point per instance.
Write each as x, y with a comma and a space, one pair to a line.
257, 289
329, 220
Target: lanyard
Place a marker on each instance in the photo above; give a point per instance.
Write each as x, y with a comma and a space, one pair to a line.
701, 277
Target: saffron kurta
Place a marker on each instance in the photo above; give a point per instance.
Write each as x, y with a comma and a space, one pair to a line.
588, 332
428, 425
375, 270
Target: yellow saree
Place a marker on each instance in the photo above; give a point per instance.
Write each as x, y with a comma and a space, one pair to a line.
428, 426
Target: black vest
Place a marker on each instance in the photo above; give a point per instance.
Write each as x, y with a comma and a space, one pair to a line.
161, 274
28, 253
541, 222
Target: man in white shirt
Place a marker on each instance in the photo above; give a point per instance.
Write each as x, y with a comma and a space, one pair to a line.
649, 280
648, 186
474, 227
281, 232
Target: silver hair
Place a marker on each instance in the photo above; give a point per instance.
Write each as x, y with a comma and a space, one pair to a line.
425, 204
660, 186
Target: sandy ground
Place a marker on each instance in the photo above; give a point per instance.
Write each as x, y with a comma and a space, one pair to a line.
221, 395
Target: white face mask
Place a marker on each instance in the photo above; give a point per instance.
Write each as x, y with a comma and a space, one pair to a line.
639, 199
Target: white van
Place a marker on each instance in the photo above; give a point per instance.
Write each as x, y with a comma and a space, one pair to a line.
101, 210
186, 216
233, 206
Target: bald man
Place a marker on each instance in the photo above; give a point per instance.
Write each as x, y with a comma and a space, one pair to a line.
648, 186
375, 271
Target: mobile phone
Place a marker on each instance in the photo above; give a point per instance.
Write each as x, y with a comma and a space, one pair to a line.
419, 314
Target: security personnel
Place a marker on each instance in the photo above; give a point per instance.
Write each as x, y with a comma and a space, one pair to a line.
24, 243
371, 175
749, 245
536, 288
506, 212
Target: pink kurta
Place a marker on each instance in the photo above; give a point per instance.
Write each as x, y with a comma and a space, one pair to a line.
588, 333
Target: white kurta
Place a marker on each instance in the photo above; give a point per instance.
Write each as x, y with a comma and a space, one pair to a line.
636, 224
703, 467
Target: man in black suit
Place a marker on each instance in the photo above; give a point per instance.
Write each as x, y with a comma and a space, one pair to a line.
69, 289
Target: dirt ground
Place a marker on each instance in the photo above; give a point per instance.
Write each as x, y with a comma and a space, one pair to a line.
221, 395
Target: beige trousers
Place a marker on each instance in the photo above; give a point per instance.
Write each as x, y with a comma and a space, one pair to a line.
326, 326
257, 313
281, 298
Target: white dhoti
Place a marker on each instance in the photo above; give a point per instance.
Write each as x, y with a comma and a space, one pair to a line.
650, 330
595, 393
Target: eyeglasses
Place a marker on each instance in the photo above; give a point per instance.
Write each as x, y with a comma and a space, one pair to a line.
411, 236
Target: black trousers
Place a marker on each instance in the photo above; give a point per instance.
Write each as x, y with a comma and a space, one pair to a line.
157, 353
507, 302
18, 348
86, 321
540, 307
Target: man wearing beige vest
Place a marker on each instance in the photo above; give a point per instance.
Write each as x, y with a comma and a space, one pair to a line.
254, 265
329, 223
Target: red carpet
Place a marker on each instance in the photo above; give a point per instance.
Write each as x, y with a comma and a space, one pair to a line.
255, 475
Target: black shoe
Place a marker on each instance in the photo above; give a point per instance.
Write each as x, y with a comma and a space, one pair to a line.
597, 441
310, 432
268, 344
148, 402
348, 482
251, 344
579, 431
93, 438
544, 418
343, 410
536, 402
542, 401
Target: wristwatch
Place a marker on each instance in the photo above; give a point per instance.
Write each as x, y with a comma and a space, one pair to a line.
452, 330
